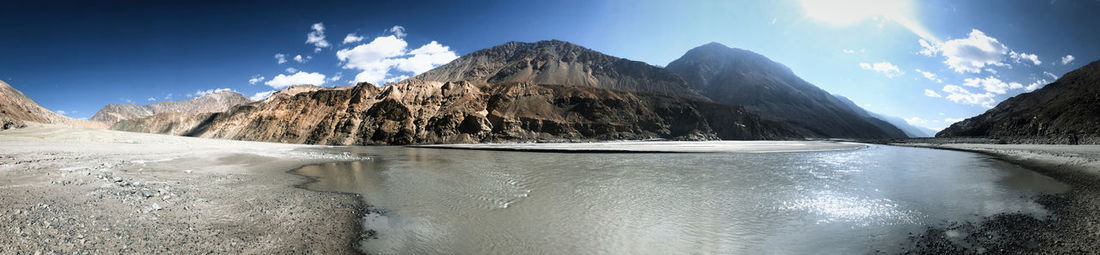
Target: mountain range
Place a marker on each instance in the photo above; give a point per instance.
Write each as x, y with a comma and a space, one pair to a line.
15, 107
218, 101
542, 91
740, 77
1070, 106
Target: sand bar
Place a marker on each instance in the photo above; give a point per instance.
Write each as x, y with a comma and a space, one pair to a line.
66, 190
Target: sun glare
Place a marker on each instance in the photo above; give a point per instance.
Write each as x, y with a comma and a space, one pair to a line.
842, 13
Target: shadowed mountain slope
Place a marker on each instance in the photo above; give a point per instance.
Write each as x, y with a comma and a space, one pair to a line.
740, 77
1068, 106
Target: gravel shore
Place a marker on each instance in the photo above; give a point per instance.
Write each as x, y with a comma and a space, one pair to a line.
1073, 226
85, 191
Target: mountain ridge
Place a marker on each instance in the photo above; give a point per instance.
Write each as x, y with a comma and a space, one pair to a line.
17, 107
212, 102
741, 77
1061, 111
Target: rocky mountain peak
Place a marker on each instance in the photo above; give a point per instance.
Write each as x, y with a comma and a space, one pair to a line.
560, 63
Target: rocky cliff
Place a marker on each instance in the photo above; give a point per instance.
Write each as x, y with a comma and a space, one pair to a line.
564, 63
208, 103
1069, 107
740, 77
15, 107
420, 112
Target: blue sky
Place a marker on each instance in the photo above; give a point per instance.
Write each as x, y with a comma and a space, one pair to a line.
76, 57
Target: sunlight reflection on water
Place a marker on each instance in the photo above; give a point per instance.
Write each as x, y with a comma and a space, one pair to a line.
435, 201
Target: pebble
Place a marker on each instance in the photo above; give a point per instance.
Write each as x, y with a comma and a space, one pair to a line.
118, 179
146, 193
157, 207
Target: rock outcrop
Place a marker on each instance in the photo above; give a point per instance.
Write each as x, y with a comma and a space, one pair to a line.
425, 112
1066, 110
209, 103
15, 108
740, 77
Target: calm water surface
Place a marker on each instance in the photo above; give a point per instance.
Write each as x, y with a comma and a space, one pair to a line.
438, 201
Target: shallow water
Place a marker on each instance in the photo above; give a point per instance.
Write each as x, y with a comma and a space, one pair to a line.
438, 201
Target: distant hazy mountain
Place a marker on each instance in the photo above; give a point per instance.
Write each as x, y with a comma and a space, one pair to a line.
1070, 105
16, 106
887, 121
740, 77
561, 63
419, 112
212, 102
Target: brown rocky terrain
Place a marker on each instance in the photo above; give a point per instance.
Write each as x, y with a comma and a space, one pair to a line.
1066, 111
740, 77
15, 108
559, 62
213, 102
421, 112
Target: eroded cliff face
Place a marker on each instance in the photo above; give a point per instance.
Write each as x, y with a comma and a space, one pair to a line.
424, 112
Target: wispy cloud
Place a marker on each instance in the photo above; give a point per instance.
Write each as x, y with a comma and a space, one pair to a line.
317, 36
1068, 59
886, 68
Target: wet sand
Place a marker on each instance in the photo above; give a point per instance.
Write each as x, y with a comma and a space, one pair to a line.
659, 146
85, 191
1074, 227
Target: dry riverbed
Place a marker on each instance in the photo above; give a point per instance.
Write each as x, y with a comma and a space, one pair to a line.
84, 191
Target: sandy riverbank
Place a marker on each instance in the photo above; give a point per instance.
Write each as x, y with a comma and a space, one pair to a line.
86, 191
1074, 227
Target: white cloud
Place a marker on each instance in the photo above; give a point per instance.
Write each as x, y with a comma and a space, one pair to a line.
952, 120
61, 112
200, 93
930, 76
989, 84
931, 93
281, 58
916, 121
151, 99
970, 54
1067, 59
169, 96
963, 96
1051, 75
398, 31
849, 51
301, 59
337, 77
384, 54
282, 81
291, 70
1036, 85
1020, 57
427, 57
927, 48
261, 95
886, 68
317, 37
352, 38
255, 79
